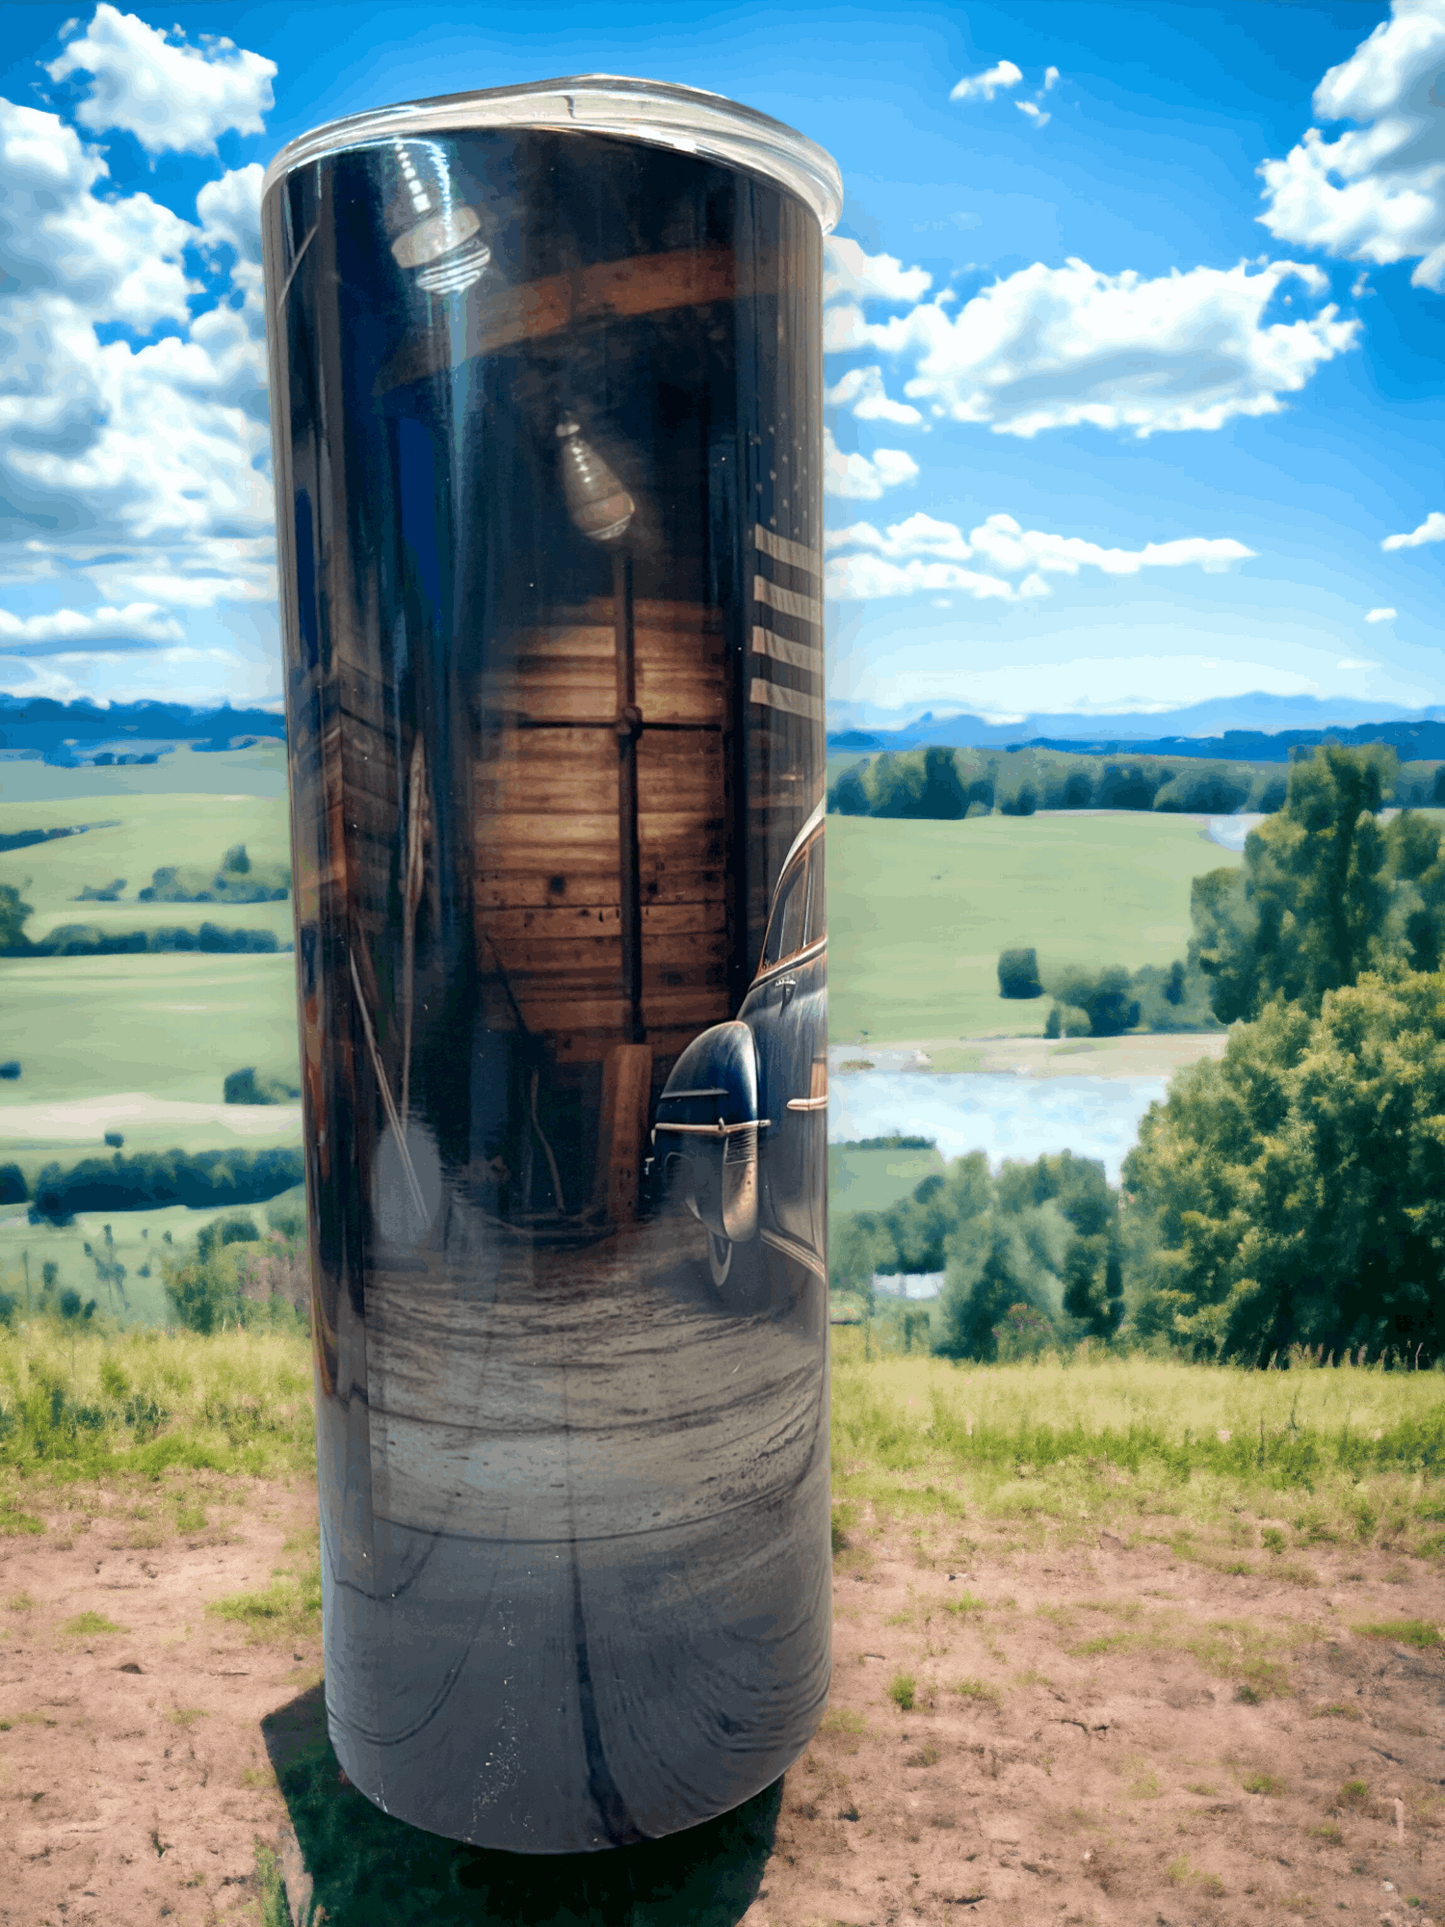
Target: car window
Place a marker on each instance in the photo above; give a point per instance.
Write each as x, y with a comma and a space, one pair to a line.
785, 929
817, 898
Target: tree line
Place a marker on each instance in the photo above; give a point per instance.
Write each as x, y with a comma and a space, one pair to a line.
948, 784
1291, 1193
152, 1179
90, 940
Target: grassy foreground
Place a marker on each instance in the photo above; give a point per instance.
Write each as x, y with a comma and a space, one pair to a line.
919, 911
1244, 1460
1219, 1462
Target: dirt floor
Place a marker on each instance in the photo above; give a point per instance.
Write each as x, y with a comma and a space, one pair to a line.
1112, 1733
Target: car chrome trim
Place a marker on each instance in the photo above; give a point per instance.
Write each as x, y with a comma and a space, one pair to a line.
808, 1103
814, 822
791, 962
712, 1130
795, 1249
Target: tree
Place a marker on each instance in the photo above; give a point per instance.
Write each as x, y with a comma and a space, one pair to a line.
1104, 996
1018, 974
985, 1277
13, 941
1094, 1286
849, 795
944, 796
1310, 910
1415, 862
1294, 1192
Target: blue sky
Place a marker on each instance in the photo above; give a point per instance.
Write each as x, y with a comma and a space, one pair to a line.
1134, 329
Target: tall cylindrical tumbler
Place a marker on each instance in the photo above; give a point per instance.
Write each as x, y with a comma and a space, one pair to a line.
546, 393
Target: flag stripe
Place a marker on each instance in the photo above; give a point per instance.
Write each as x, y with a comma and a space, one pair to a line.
782, 550
805, 608
772, 695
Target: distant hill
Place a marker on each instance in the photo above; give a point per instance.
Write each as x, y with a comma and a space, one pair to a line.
73, 734
1218, 731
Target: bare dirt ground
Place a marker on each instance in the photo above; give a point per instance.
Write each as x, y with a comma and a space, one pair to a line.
1139, 1738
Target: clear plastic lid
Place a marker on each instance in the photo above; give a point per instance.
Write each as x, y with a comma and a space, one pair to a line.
708, 125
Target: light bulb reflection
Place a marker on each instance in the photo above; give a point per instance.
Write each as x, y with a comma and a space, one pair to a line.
596, 500
434, 235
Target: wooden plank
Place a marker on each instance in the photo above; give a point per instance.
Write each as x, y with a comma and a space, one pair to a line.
499, 889
574, 920
622, 1133
669, 918
554, 956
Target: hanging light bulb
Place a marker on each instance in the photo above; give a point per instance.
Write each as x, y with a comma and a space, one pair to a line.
597, 502
432, 233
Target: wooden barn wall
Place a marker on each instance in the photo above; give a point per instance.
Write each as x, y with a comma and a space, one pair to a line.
548, 834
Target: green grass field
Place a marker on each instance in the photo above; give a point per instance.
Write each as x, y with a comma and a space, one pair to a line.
139, 1239
919, 911
874, 1180
151, 831
172, 1025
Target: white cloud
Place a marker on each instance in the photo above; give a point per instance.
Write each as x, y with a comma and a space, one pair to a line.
1381, 615
121, 257
230, 211
1377, 193
1051, 76
847, 270
984, 86
1055, 347
138, 466
1355, 662
175, 98
139, 622
1432, 529
1035, 114
922, 553
861, 389
865, 578
861, 478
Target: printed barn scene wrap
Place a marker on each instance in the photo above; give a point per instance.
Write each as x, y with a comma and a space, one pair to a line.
547, 403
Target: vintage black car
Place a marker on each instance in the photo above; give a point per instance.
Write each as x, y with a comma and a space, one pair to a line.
745, 1109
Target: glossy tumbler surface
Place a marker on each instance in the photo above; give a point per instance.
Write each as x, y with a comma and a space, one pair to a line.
546, 400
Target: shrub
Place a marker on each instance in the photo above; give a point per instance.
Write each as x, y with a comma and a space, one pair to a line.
1018, 974
1024, 1332
287, 1214
13, 1188
252, 1087
1065, 1020
1104, 995
902, 1690
10, 1069
114, 1139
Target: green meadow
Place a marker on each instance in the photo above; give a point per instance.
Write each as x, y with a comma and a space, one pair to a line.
138, 1240
148, 832
918, 912
874, 1180
227, 774
171, 1025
